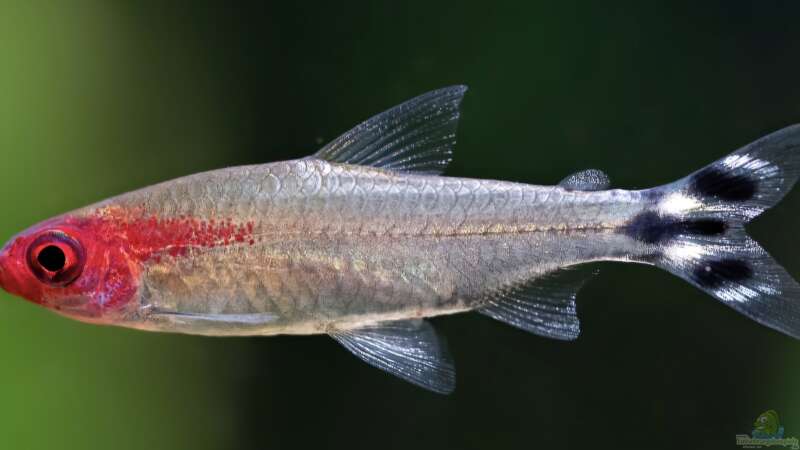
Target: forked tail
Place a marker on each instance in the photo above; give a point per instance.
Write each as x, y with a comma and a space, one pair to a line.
697, 229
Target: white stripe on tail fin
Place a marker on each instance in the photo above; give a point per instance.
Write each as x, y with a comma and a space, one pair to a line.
696, 229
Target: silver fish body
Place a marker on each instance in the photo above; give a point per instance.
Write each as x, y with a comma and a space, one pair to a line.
338, 246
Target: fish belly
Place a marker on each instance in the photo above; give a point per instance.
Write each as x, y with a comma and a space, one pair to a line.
315, 285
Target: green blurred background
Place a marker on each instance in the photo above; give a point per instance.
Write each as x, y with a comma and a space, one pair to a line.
99, 97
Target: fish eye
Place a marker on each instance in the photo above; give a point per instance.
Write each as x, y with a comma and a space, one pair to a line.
55, 258
52, 258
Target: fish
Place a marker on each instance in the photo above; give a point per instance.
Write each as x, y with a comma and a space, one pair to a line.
366, 240
768, 426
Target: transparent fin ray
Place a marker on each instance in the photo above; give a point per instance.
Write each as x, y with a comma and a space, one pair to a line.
409, 349
543, 306
416, 136
697, 227
586, 180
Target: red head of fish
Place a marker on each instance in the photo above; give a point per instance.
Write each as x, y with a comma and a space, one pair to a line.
89, 265
79, 267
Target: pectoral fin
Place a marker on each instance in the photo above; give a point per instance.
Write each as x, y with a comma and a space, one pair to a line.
409, 349
206, 323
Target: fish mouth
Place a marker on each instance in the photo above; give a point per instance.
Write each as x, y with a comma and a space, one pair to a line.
3, 271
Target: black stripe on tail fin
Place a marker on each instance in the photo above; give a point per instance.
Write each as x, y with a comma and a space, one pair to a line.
696, 229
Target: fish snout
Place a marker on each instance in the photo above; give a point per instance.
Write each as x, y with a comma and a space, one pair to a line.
9, 282
3, 263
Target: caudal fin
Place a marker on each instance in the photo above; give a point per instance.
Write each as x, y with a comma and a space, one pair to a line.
697, 225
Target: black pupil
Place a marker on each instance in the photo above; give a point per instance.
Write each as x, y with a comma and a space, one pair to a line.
52, 258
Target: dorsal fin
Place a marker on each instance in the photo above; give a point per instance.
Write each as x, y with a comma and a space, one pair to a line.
586, 180
544, 305
415, 136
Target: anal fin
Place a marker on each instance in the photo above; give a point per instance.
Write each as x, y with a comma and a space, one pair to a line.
544, 305
409, 349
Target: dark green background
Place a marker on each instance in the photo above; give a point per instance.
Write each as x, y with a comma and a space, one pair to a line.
97, 98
